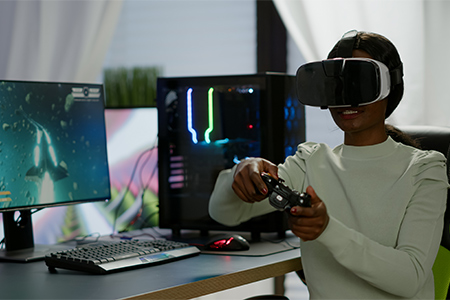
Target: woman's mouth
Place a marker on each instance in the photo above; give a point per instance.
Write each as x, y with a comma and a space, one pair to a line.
349, 113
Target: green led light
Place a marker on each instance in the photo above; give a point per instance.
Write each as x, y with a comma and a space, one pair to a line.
210, 115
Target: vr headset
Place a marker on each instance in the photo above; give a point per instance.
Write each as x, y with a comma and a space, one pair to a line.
343, 82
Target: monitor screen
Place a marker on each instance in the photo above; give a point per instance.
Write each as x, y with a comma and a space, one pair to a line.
133, 164
52, 145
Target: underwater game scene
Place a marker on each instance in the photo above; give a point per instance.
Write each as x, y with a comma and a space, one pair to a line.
52, 144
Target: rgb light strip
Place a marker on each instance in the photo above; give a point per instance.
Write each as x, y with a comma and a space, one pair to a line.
189, 116
210, 116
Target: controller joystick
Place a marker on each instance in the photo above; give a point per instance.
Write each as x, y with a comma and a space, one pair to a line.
281, 196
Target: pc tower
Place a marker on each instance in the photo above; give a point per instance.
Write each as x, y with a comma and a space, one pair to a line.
207, 124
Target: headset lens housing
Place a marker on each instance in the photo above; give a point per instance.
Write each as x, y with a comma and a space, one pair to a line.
342, 82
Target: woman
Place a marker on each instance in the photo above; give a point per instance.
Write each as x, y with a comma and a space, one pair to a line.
376, 219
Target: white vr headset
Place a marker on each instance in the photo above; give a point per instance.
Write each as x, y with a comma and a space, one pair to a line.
343, 82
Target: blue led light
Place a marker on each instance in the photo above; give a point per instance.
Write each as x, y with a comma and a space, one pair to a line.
289, 102
189, 116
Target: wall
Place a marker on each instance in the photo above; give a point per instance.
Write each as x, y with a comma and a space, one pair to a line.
186, 38
194, 38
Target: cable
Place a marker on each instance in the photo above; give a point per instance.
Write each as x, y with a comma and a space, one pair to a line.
155, 146
81, 239
143, 188
143, 206
156, 231
147, 219
128, 237
128, 185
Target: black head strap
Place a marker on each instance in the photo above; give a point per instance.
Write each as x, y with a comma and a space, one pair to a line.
396, 75
345, 50
346, 44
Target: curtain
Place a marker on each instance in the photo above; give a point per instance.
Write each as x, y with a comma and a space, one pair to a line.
418, 28
48, 40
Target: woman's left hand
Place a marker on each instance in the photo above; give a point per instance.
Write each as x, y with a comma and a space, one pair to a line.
308, 223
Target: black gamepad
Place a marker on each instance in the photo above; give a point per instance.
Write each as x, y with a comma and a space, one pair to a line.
282, 197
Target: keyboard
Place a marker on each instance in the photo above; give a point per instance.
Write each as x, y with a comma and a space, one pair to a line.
105, 257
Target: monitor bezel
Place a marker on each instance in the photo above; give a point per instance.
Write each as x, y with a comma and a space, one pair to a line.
19, 240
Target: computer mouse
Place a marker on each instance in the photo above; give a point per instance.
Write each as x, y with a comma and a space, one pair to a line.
233, 242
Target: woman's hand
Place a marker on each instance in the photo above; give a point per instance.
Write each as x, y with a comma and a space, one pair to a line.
308, 223
248, 184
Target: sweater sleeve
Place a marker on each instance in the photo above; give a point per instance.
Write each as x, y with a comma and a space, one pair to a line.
401, 270
227, 208
294, 168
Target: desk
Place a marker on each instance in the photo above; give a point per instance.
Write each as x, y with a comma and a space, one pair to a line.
184, 279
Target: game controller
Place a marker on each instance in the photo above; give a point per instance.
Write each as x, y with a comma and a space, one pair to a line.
281, 196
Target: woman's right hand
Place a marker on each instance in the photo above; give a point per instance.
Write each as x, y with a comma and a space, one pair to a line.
248, 184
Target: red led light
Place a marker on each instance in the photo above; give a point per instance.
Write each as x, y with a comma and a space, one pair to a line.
219, 244
250, 126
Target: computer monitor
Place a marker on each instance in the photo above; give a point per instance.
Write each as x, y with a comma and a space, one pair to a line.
53, 152
133, 164
207, 124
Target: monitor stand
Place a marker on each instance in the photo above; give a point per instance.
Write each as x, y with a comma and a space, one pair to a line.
19, 241
36, 253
